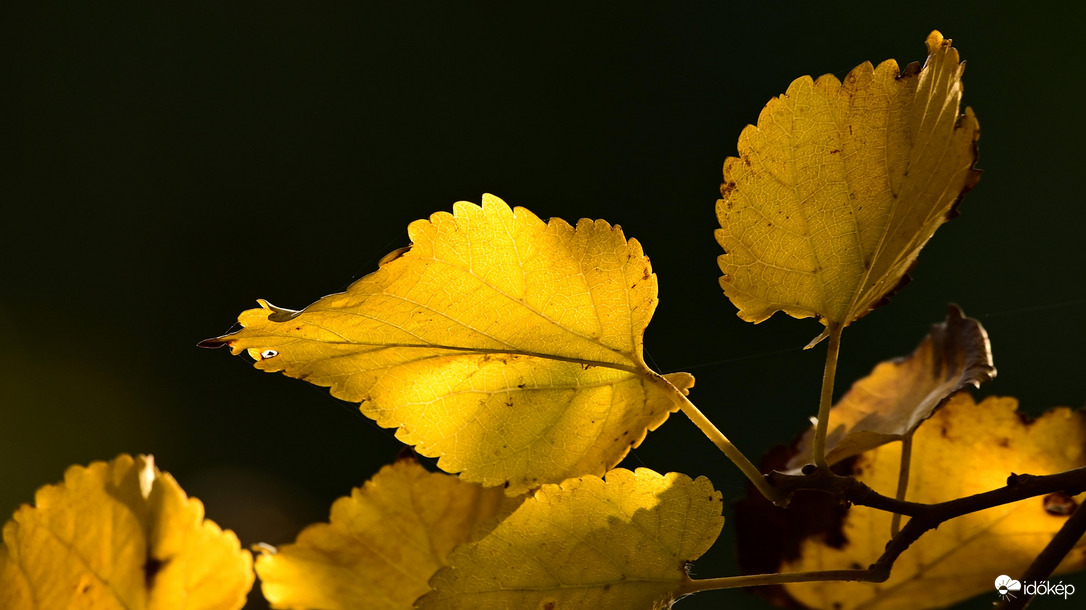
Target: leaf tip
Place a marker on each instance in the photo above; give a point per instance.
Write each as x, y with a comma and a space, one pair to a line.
968, 336
935, 41
213, 343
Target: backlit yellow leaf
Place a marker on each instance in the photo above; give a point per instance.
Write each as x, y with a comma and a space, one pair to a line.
508, 347
383, 543
587, 544
840, 185
119, 535
900, 394
965, 448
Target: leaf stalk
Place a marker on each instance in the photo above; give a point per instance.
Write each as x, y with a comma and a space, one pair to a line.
826, 400
759, 580
714, 434
902, 479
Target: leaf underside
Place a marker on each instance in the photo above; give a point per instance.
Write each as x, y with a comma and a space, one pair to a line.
840, 185
509, 348
900, 394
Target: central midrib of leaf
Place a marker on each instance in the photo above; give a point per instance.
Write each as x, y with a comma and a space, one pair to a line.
937, 74
573, 586
635, 370
876, 254
635, 365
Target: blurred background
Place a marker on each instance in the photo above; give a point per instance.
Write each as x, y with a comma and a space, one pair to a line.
164, 165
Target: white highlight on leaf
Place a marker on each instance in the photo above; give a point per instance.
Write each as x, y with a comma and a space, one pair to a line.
147, 476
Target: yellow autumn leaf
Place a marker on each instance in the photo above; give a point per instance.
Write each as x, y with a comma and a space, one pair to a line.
508, 347
383, 543
119, 535
840, 185
985, 443
623, 542
900, 394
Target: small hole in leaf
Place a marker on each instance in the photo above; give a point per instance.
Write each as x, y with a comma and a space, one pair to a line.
268, 353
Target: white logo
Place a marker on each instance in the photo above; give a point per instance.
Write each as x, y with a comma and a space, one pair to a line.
1005, 584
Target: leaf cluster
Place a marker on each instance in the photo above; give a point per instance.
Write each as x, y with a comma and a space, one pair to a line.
510, 349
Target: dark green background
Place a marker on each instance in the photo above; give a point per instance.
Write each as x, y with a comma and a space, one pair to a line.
164, 165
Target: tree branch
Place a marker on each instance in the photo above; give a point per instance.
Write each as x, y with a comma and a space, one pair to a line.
760, 580
848, 489
926, 517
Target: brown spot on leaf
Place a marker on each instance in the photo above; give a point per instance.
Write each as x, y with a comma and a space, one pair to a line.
151, 569
1025, 418
726, 190
767, 535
